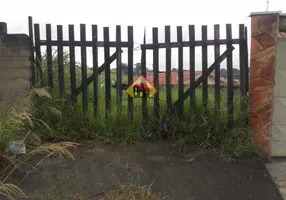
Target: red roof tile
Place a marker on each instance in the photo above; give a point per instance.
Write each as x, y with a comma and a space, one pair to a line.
174, 77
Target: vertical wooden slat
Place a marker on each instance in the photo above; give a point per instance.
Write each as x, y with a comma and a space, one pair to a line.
95, 70
130, 69
118, 67
217, 70
192, 66
31, 43
246, 61
229, 79
205, 67
180, 69
144, 73
83, 67
246, 68
107, 72
242, 64
156, 73
38, 53
60, 60
49, 55
168, 66
72, 63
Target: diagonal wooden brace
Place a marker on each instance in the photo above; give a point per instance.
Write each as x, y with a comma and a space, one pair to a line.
100, 69
216, 64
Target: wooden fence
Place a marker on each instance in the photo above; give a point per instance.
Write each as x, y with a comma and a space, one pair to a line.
37, 42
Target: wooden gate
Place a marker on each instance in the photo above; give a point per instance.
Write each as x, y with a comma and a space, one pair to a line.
37, 77
206, 71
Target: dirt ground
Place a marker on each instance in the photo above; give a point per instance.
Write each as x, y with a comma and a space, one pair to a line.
168, 172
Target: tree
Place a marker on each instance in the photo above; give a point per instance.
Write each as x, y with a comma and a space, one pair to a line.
174, 69
137, 69
124, 68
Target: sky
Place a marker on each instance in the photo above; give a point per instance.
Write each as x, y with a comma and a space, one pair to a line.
140, 14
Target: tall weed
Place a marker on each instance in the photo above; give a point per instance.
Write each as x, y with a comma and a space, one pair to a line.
18, 122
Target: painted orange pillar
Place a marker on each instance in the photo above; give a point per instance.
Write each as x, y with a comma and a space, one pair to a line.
264, 33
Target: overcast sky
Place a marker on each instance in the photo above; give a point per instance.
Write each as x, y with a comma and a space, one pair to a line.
140, 14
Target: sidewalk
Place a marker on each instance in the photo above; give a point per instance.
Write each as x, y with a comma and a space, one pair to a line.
277, 170
169, 173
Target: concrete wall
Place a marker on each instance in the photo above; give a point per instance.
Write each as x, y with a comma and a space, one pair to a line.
278, 136
14, 66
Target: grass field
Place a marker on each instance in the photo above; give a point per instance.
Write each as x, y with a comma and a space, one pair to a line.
196, 128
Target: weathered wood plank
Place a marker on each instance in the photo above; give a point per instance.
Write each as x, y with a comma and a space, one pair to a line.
60, 60
246, 61
192, 43
156, 73
83, 67
72, 64
229, 62
95, 71
31, 44
118, 68
144, 73
242, 64
38, 54
49, 56
180, 70
87, 43
168, 66
130, 69
204, 68
192, 67
107, 72
217, 71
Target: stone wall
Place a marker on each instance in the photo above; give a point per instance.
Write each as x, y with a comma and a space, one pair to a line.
267, 108
264, 34
14, 65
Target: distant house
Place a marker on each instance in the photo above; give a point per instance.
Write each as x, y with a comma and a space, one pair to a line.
186, 78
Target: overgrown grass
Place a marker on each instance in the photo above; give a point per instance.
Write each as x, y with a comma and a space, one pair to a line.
42, 116
199, 128
18, 123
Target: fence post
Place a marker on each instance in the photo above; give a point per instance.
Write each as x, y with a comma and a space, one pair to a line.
264, 29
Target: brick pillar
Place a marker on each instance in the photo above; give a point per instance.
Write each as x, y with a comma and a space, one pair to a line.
14, 65
264, 33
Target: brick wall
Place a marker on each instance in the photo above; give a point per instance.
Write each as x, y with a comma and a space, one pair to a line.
14, 65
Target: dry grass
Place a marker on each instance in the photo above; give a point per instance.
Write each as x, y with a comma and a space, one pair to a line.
125, 192
17, 123
54, 149
10, 191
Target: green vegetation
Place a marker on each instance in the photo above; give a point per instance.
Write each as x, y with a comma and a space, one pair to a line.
18, 123
199, 128
41, 116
